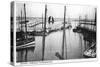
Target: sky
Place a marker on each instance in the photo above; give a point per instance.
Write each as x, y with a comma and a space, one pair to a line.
32, 10
55, 10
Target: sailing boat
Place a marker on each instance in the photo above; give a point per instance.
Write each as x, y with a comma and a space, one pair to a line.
23, 38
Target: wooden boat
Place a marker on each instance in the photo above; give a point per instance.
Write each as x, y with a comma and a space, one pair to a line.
90, 52
24, 39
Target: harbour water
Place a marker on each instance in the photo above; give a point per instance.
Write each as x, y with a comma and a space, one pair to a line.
73, 48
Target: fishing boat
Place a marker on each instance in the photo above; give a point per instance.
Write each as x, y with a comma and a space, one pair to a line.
90, 52
23, 38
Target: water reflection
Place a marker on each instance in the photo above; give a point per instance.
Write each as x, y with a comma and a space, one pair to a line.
73, 49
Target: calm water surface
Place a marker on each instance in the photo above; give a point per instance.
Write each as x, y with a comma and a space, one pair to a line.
73, 48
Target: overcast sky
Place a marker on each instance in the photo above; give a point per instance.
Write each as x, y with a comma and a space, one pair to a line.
55, 10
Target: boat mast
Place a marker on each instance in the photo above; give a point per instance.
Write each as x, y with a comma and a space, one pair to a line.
79, 20
21, 20
63, 32
43, 47
95, 15
25, 21
42, 21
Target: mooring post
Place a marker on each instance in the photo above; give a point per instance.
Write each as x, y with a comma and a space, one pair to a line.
43, 47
